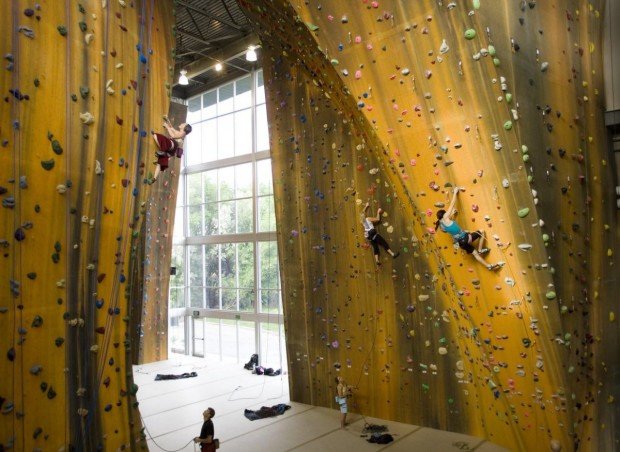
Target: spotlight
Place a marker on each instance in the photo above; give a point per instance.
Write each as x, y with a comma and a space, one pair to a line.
183, 80
250, 55
218, 66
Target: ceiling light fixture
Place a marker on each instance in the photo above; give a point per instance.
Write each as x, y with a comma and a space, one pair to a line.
250, 55
183, 80
218, 66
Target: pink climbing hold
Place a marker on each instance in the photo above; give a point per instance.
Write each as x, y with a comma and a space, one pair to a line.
358, 74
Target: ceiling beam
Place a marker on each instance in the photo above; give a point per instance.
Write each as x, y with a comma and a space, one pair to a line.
235, 49
209, 15
191, 35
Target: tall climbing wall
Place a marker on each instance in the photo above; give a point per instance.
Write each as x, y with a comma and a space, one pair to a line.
396, 103
82, 85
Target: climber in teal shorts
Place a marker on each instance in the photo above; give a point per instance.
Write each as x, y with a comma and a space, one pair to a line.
465, 239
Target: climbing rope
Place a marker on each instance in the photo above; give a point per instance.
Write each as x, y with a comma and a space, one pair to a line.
155, 442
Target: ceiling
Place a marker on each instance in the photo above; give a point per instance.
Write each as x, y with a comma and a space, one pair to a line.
208, 31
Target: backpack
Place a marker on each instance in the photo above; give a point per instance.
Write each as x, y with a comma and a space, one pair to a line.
384, 438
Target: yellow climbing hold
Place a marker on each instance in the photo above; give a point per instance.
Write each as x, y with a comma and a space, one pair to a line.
612, 316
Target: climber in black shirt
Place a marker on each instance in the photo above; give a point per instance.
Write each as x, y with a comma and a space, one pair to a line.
207, 443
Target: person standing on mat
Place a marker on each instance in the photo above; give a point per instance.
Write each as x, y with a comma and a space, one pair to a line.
169, 146
342, 392
206, 438
465, 239
374, 238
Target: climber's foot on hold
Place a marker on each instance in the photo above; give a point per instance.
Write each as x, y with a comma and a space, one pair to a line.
494, 267
483, 251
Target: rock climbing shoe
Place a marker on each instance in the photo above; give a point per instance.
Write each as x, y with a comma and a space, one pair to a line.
483, 251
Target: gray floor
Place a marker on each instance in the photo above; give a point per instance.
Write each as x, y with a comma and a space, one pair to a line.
172, 414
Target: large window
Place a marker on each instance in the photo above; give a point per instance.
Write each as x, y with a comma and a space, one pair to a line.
226, 275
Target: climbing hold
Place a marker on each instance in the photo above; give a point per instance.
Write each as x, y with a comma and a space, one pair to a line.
508, 125
523, 212
470, 33
36, 369
59, 341
62, 30
550, 295
37, 321
47, 164
87, 118
10, 354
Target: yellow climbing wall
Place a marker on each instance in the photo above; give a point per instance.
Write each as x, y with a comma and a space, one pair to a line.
396, 103
82, 85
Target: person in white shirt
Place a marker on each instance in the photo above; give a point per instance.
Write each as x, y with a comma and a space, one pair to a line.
373, 237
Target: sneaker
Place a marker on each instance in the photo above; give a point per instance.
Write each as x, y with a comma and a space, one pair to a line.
483, 251
396, 254
493, 267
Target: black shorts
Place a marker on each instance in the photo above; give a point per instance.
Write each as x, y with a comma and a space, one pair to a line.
466, 243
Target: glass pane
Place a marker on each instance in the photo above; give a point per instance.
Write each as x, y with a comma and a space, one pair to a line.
209, 104
229, 299
246, 265
266, 214
229, 340
243, 97
177, 297
177, 262
270, 345
228, 264
246, 299
262, 130
243, 132
270, 302
176, 334
179, 231
264, 177
209, 179
196, 297
244, 215
243, 180
212, 337
260, 88
199, 334
213, 298
269, 269
209, 140
247, 340
211, 218
196, 276
193, 146
225, 136
194, 189
212, 266
193, 110
226, 93
195, 219
227, 217
227, 183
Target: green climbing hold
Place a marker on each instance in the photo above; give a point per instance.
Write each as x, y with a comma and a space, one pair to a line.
523, 212
476, 4
550, 295
47, 164
545, 237
496, 62
55, 258
56, 147
84, 90
526, 158
508, 125
311, 26
62, 30
133, 390
335, 62
492, 50
470, 33
82, 26
508, 97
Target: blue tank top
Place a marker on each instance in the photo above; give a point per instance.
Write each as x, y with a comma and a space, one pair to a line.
454, 229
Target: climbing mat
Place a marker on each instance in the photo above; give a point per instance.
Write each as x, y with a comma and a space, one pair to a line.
396, 103
83, 84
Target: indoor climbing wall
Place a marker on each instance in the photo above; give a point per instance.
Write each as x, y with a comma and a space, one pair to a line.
396, 103
83, 83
